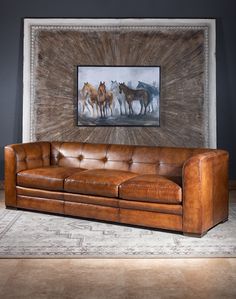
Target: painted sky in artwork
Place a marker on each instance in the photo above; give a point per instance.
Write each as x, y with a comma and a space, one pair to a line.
94, 75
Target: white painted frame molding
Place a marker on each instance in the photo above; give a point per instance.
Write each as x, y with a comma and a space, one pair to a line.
32, 25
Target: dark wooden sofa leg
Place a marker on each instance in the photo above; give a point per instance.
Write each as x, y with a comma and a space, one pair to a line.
11, 208
226, 219
195, 235
204, 233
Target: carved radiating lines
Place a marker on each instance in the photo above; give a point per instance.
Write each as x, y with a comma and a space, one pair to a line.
181, 51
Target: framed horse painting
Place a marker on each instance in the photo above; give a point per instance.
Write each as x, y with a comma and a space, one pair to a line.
118, 95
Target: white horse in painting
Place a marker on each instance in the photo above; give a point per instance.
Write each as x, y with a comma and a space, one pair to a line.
120, 97
83, 103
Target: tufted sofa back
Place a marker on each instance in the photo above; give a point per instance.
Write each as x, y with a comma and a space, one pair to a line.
139, 159
31, 155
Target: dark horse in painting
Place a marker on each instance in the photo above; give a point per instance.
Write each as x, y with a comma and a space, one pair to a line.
152, 90
132, 95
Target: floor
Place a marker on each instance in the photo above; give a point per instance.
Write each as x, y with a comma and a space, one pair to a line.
118, 278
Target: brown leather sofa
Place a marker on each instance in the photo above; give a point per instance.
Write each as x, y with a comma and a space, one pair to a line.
181, 189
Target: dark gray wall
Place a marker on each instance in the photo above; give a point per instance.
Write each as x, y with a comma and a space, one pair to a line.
12, 13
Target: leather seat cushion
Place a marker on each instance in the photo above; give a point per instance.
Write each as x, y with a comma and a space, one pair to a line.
151, 188
48, 178
102, 182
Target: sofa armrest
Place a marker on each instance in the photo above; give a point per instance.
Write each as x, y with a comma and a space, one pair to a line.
205, 191
20, 157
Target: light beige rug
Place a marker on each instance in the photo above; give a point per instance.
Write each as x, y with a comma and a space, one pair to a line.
32, 234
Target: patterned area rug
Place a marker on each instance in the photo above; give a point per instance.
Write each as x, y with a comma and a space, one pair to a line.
31, 234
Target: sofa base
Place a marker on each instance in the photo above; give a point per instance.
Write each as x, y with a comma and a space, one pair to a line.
151, 219
226, 219
91, 211
11, 208
114, 215
194, 235
199, 235
40, 204
136, 217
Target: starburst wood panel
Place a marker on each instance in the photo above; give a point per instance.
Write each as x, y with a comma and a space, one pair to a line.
181, 51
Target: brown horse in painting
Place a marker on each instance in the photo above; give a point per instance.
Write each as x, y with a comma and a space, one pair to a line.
132, 95
90, 96
105, 100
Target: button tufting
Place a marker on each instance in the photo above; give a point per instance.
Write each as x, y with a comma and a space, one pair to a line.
105, 159
130, 161
80, 157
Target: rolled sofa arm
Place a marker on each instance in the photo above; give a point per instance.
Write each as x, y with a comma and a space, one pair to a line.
205, 191
20, 157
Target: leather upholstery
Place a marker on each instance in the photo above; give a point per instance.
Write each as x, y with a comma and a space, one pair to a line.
151, 207
151, 188
32, 155
151, 219
10, 177
205, 191
139, 159
40, 204
93, 200
20, 157
49, 178
40, 193
102, 182
91, 211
